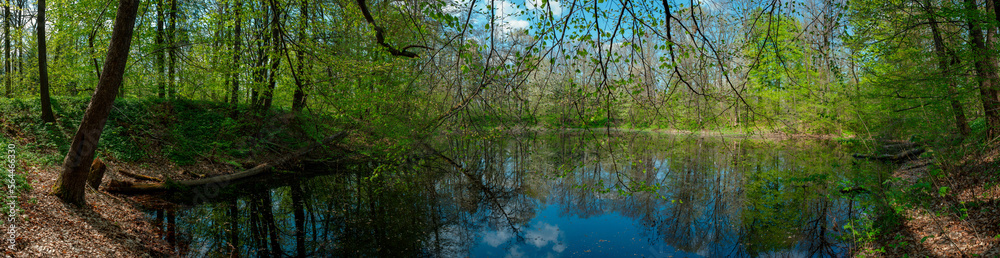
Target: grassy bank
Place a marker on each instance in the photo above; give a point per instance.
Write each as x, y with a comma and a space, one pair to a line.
179, 132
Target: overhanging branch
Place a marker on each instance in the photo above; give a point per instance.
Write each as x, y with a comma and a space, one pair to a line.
380, 35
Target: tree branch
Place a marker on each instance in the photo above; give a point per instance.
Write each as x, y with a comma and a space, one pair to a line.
380, 34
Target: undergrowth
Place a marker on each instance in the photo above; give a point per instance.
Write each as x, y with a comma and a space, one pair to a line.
951, 160
141, 130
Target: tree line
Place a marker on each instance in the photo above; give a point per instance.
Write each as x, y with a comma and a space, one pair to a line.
398, 69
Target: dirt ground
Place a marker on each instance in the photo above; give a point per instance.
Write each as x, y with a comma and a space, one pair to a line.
108, 226
965, 222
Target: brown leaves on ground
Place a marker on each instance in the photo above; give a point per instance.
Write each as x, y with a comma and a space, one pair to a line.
965, 222
108, 226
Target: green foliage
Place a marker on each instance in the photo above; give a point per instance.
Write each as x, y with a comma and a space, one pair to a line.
200, 128
129, 129
139, 129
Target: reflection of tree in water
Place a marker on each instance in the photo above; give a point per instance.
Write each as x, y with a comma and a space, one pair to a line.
353, 213
490, 182
714, 198
710, 196
787, 209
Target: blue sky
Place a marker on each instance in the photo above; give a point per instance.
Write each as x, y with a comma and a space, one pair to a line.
510, 14
518, 14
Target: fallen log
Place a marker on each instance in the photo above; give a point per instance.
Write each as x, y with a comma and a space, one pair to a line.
196, 175
130, 187
139, 177
907, 154
900, 146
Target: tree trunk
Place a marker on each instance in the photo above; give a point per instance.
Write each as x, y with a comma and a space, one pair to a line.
993, 115
43, 73
18, 44
234, 228
299, 98
172, 51
956, 105
76, 166
93, 53
272, 228
299, 213
158, 223
158, 51
6, 49
256, 227
237, 45
172, 226
985, 69
259, 73
993, 92
275, 56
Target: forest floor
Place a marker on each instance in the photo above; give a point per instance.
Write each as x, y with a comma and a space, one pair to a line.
107, 226
959, 221
142, 136
110, 225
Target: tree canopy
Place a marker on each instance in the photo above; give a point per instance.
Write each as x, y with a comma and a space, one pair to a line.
409, 69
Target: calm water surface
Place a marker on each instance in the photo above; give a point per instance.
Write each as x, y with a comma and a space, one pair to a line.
542, 195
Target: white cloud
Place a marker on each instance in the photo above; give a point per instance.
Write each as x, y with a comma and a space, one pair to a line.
517, 24
709, 4
506, 9
552, 5
506, 13
455, 7
494, 239
543, 234
559, 248
514, 252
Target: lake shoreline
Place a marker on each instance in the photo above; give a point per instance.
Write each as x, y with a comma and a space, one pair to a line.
934, 229
598, 130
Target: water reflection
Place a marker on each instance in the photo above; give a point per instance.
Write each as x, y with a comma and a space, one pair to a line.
542, 195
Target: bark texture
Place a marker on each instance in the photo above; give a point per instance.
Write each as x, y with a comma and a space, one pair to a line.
76, 166
43, 73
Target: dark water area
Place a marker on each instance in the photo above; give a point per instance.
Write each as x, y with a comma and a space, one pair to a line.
544, 195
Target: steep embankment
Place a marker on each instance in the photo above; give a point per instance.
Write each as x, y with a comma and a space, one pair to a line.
950, 212
174, 140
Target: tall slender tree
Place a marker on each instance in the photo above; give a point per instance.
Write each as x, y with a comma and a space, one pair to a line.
6, 49
275, 55
158, 51
172, 50
43, 73
72, 181
986, 69
237, 45
299, 97
946, 71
